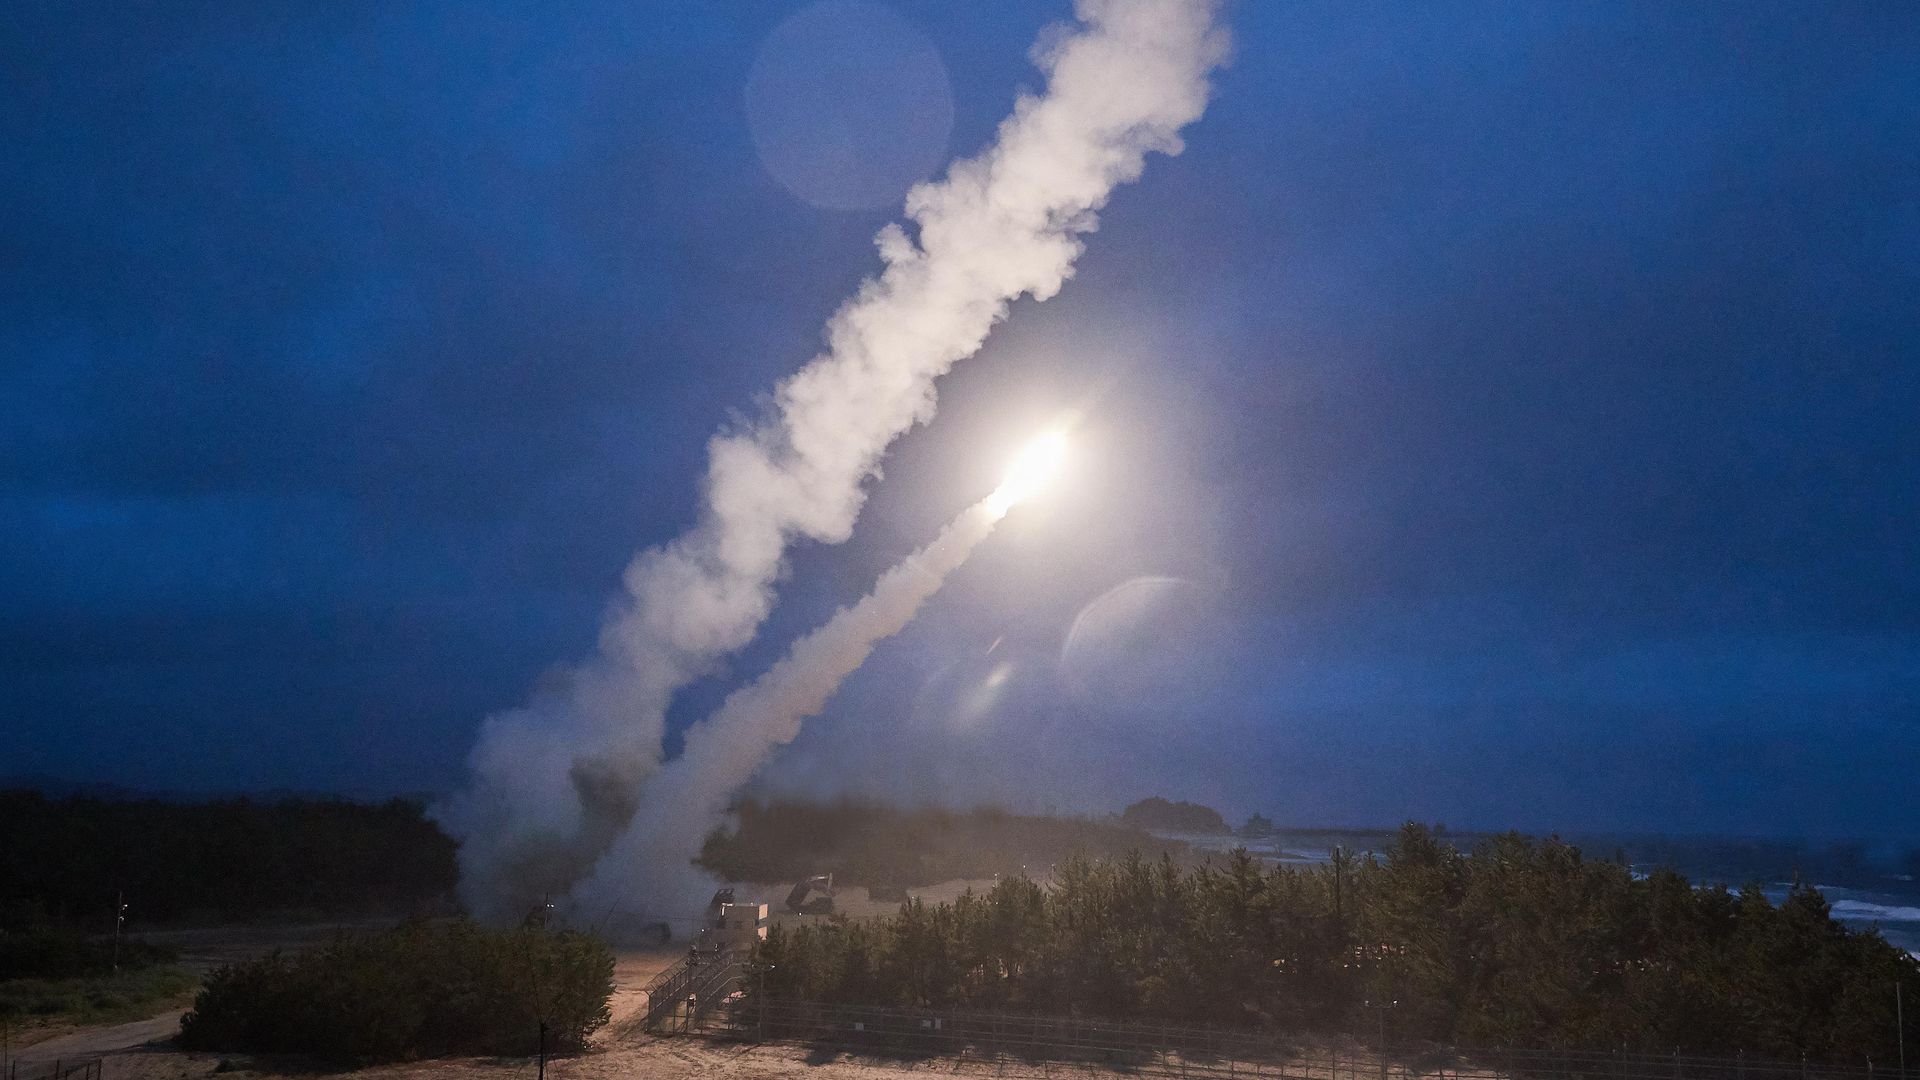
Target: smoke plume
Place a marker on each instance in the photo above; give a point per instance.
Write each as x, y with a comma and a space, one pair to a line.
649, 869
555, 781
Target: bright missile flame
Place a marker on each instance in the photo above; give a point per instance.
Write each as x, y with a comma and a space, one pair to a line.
1030, 472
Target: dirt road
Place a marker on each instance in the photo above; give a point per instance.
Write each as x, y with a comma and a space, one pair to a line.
640, 1058
100, 1041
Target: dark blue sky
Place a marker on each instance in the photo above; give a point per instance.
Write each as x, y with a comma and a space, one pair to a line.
1511, 408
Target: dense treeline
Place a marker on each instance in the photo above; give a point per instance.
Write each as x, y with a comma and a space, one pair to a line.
65, 859
63, 954
1178, 817
875, 844
1519, 943
423, 989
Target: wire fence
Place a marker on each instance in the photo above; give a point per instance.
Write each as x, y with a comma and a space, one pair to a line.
1164, 1050
76, 1069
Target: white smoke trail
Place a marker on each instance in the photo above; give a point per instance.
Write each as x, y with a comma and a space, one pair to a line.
649, 870
554, 781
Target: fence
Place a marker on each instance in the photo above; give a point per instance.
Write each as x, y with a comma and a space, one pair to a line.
87, 1069
1164, 1050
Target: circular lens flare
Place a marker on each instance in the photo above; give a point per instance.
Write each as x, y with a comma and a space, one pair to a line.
1035, 466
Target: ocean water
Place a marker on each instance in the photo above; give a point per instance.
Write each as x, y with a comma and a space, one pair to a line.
1895, 915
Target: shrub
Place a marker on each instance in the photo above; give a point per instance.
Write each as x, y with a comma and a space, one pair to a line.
420, 990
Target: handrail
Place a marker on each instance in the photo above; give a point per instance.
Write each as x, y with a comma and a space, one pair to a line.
697, 978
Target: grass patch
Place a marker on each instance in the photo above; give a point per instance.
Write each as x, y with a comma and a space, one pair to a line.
54, 977
96, 999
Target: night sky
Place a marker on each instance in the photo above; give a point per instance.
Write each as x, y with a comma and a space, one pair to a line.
1501, 414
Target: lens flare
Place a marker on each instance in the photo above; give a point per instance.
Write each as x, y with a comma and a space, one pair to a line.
1035, 466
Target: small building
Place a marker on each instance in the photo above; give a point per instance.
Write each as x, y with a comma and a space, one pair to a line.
740, 926
730, 925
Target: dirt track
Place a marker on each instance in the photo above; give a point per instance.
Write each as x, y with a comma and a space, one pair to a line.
641, 1058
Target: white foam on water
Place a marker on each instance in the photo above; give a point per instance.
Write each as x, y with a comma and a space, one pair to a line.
1865, 911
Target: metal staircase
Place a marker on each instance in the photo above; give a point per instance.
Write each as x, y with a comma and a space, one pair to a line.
678, 997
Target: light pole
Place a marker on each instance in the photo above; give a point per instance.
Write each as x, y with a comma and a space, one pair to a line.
1900, 1024
1338, 918
119, 920
760, 970
1381, 1008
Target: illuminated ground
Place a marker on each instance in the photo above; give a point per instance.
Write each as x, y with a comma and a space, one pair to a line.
654, 1059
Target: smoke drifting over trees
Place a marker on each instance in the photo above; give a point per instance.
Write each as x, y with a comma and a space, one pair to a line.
555, 783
